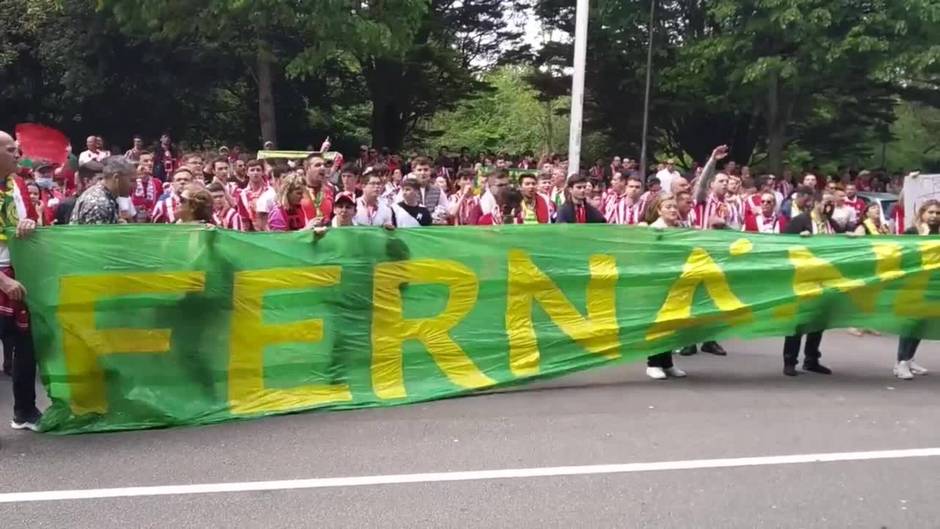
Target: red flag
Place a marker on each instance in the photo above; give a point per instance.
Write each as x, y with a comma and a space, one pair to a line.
39, 142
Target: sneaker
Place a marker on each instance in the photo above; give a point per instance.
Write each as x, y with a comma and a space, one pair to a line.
790, 371
918, 369
675, 372
656, 373
815, 367
28, 421
903, 370
689, 350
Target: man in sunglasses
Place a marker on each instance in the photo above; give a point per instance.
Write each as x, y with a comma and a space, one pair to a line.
766, 219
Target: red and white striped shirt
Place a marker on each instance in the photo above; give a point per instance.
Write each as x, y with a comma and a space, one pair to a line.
165, 210
621, 209
712, 207
246, 201
230, 220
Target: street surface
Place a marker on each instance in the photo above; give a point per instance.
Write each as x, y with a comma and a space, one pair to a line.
733, 407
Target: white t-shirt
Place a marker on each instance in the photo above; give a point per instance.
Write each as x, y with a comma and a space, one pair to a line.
666, 178
267, 200
369, 216
845, 216
88, 156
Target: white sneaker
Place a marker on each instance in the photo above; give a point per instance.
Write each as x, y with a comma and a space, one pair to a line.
675, 372
903, 370
656, 373
918, 370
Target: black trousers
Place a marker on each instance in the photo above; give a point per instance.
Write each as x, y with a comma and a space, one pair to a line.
791, 348
907, 347
24, 365
663, 360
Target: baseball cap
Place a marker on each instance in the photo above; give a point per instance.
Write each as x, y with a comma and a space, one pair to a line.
345, 197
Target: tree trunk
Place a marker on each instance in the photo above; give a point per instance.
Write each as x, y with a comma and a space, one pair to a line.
384, 79
776, 126
265, 80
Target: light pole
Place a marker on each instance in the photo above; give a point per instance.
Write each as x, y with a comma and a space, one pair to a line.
646, 99
577, 87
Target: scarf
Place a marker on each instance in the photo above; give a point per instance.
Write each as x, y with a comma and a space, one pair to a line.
820, 225
873, 229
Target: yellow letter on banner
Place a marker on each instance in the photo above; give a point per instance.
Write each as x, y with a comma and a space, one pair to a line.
598, 332
83, 343
676, 312
812, 275
390, 329
250, 336
911, 302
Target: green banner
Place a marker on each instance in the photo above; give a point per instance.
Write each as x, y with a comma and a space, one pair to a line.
150, 326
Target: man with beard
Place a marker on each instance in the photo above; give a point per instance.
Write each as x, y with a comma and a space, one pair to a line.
318, 197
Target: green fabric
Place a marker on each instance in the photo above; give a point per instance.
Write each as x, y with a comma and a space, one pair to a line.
515, 301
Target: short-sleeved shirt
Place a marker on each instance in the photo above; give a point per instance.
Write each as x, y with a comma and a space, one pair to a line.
97, 205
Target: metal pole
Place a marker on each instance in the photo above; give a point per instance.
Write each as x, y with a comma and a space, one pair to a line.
577, 87
646, 99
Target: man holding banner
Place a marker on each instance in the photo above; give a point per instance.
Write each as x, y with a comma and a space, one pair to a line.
16, 210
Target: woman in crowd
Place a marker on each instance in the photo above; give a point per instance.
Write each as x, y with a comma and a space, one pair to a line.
661, 366
195, 206
870, 225
287, 214
871, 222
927, 223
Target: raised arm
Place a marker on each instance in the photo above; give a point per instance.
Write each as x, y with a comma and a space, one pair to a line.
704, 181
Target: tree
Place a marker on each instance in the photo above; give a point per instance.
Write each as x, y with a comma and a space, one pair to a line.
64, 63
510, 119
271, 38
436, 67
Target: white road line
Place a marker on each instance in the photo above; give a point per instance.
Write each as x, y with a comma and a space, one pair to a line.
436, 477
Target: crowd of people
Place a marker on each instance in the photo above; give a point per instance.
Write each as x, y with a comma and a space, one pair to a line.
226, 188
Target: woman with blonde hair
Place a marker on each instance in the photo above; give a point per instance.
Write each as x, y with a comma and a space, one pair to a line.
661, 366
195, 206
287, 213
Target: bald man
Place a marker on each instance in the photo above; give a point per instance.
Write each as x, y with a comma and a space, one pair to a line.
16, 210
93, 153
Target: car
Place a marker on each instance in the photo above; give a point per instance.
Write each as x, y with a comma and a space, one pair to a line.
886, 201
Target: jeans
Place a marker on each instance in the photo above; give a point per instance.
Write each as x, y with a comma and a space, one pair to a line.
24, 365
791, 348
906, 348
663, 360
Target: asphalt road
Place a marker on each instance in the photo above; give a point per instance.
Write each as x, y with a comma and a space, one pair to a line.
739, 406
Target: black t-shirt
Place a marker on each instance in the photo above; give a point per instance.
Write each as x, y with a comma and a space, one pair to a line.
63, 212
420, 213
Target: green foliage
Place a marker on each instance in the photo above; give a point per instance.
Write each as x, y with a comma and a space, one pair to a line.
509, 118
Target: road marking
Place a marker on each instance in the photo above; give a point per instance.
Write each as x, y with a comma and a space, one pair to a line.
474, 475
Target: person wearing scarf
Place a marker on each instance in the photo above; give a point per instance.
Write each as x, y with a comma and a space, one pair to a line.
534, 207
661, 366
927, 224
16, 211
817, 220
